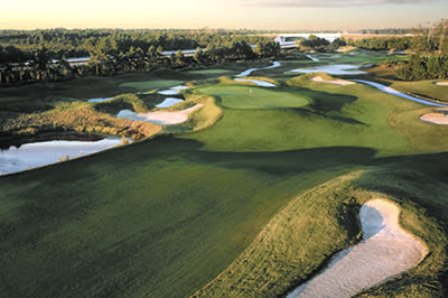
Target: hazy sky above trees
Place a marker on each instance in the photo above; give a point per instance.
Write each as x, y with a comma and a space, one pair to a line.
252, 14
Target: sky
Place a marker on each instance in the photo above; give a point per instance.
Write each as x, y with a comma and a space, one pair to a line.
229, 14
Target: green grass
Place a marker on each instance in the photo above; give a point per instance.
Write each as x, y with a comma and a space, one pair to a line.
164, 217
147, 85
246, 97
423, 88
212, 72
37, 97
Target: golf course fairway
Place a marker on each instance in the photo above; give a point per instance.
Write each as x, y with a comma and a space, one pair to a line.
253, 203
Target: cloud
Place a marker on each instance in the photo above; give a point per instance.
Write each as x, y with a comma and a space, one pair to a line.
332, 3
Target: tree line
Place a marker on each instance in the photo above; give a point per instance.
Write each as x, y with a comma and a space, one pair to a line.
41, 55
429, 43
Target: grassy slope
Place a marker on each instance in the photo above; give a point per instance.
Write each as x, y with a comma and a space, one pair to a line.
163, 213
423, 88
138, 220
256, 273
326, 123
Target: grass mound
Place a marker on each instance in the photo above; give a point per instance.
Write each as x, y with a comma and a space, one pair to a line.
292, 245
120, 102
75, 117
300, 239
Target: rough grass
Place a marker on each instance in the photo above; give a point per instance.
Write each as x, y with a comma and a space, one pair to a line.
423, 88
148, 85
39, 97
212, 71
292, 245
75, 117
295, 244
122, 101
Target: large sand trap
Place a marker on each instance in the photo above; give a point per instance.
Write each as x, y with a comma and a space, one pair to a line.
442, 83
160, 117
435, 118
385, 251
334, 82
38, 154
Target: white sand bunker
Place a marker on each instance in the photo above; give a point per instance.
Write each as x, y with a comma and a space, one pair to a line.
438, 118
173, 90
334, 82
257, 82
385, 251
169, 102
160, 117
442, 83
38, 154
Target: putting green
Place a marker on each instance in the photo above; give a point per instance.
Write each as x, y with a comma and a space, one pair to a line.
246, 97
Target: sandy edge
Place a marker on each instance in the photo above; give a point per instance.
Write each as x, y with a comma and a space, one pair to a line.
166, 117
334, 82
385, 251
442, 83
437, 118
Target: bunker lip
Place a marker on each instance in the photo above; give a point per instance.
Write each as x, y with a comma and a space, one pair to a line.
386, 250
334, 82
259, 83
39, 154
438, 118
160, 117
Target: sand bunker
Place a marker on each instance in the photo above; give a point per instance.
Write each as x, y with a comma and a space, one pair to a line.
442, 83
335, 82
337, 69
385, 251
257, 82
160, 117
173, 90
168, 102
438, 118
38, 154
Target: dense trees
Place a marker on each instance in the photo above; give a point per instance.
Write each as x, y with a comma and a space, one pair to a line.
431, 38
382, 43
424, 67
41, 55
